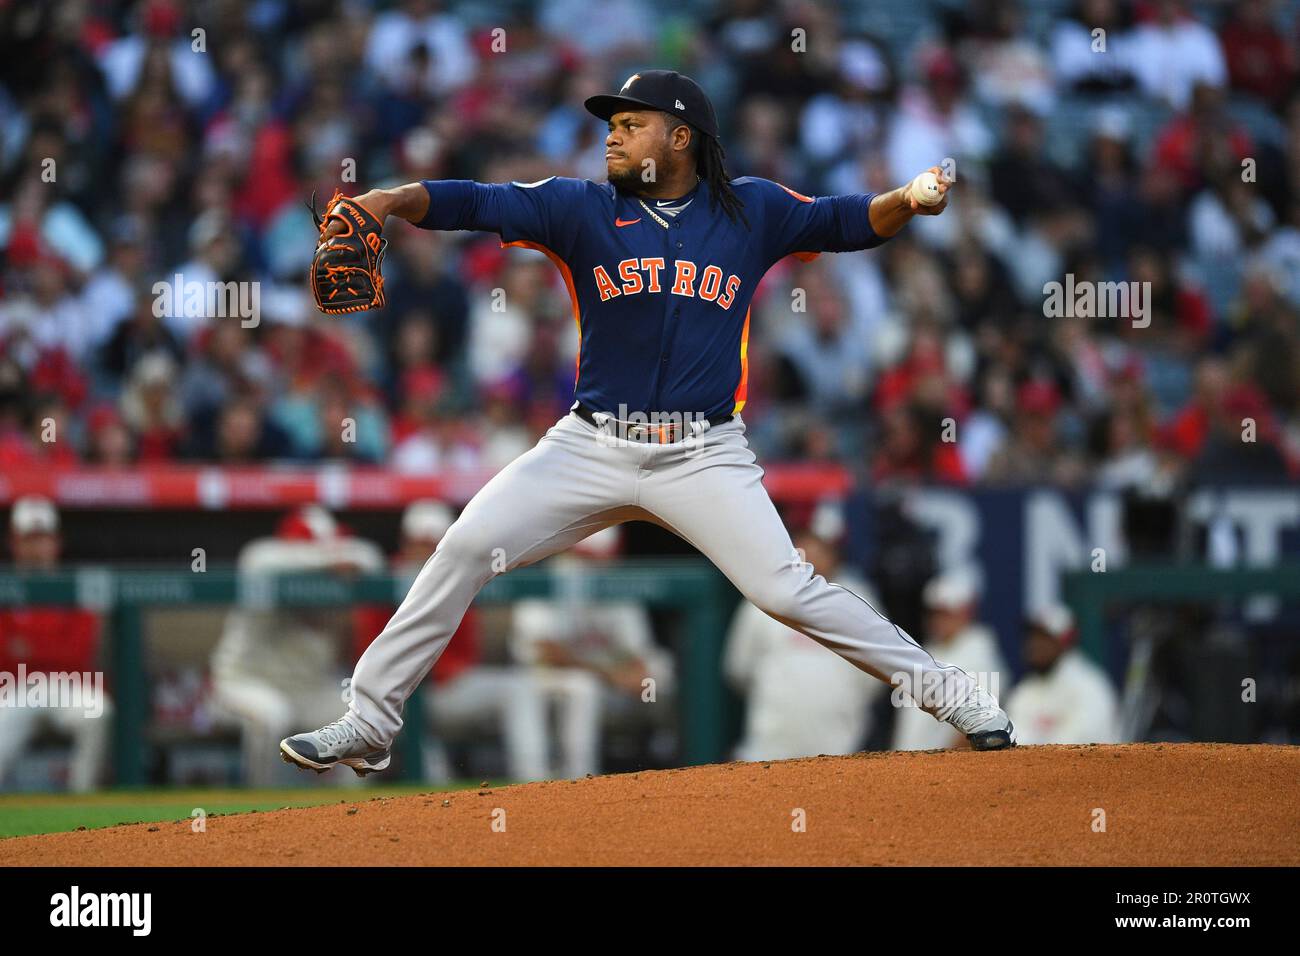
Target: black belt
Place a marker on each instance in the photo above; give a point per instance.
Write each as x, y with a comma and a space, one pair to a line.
648, 432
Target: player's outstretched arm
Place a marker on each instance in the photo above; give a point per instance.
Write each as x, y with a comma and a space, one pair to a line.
545, 212
893, 210
409, 202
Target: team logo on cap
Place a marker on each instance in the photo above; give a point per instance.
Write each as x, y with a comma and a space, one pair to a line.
630, 80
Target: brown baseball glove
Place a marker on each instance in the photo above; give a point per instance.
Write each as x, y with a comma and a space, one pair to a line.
345, 271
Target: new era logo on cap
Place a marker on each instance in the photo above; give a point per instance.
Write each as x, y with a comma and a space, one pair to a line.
665, 90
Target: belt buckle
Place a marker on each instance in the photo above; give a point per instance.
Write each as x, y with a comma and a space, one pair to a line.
659, 434
650, 434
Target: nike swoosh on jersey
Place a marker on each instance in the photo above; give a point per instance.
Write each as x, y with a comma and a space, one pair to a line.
540, 182
626, 222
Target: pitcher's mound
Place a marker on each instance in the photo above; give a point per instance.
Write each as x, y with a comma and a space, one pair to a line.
1140, 804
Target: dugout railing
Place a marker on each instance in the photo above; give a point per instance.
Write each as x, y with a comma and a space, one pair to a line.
1096, 596
1091, 595
693, 588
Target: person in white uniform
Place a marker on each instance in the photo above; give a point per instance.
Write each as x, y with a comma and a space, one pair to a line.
953, 633
1064, 698
801, 700
595, 661
273, 668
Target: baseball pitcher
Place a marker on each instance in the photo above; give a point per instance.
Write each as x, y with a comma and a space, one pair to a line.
661, 262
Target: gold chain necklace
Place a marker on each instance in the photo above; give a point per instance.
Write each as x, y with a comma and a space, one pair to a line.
653, 215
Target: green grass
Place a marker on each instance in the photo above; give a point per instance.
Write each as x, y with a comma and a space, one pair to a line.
23, 814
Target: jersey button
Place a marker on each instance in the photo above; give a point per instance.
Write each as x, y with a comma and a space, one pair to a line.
679, 245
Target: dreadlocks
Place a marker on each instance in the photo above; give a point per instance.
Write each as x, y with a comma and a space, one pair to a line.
709, 165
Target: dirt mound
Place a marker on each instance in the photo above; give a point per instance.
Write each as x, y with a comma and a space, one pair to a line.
1163, 804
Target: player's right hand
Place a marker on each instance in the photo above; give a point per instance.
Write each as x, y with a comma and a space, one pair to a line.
938, 207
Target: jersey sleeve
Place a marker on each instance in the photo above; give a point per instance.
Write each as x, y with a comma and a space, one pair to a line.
543, 212
794, 223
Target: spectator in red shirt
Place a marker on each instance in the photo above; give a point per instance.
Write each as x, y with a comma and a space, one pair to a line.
1259, 60
1186, 432
47, 641
912, 449
1186, 144
109, 441
151, 407
1036, 454
1242, 443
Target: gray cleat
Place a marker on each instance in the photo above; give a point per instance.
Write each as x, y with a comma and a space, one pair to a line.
335, 743
985, 724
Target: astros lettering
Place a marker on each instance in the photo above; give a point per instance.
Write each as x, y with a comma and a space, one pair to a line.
642, 275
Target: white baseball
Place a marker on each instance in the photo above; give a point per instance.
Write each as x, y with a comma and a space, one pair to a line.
925, 189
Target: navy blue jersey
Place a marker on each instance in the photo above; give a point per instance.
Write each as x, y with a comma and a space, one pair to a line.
662, 307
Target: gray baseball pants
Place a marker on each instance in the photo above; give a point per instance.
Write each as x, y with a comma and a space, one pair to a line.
579, 479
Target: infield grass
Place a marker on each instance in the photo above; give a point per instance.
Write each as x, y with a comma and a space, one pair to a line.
23, 814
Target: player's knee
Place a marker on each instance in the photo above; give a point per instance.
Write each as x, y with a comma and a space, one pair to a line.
783, 600
470, 547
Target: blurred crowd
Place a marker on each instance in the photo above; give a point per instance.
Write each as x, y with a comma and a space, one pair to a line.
146, 141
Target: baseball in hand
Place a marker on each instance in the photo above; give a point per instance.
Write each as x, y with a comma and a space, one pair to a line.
925, 189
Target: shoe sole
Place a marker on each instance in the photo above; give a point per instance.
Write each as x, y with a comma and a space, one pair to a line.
362, 766
994, 739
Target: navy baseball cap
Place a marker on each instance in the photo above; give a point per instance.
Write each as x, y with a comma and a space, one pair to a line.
665, 90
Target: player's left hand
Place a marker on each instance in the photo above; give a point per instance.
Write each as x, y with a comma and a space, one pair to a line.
347, 267
938, 207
